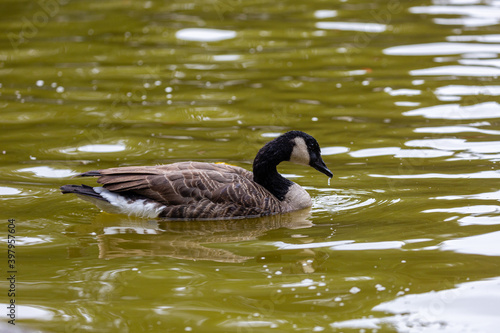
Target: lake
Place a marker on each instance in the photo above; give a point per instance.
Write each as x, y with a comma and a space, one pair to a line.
402, 96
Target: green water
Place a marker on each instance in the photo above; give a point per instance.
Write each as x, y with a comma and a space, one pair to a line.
401, 95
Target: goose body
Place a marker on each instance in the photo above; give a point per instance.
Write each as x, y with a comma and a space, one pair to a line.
198, 190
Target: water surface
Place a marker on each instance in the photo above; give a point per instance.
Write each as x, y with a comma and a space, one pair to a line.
402, 97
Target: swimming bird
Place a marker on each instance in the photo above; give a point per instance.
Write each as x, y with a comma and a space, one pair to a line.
199, 190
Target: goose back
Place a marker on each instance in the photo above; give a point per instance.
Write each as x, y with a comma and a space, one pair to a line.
193, 190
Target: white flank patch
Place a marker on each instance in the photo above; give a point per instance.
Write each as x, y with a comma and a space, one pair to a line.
121, 205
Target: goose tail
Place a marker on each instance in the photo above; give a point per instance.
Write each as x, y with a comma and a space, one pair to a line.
81, 190
115, 203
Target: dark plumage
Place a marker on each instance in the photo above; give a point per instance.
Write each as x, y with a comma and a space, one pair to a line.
196, 190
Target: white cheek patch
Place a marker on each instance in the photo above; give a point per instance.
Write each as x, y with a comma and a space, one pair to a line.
122, 205
300, 154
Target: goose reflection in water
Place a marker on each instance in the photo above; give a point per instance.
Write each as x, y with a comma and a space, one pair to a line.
120, 236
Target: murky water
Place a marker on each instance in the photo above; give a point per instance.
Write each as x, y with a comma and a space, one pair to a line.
402, 96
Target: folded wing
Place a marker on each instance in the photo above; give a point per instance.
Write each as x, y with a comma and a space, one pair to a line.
192, 189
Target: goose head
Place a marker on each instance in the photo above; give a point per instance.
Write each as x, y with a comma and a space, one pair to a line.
294, 146
306, 151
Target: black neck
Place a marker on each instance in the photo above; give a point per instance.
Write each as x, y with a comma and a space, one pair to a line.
264, 168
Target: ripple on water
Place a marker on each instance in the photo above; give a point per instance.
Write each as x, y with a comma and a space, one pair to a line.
336, 202
349, 201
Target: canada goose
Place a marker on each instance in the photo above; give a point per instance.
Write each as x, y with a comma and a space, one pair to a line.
197, 190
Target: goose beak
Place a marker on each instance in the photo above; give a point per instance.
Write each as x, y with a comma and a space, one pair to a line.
321, 167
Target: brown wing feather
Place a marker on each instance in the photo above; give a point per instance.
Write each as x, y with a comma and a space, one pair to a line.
194, 189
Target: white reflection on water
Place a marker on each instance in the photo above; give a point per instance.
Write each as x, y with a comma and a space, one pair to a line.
48, 172
462, 90
480, 196
204, 35
480, 62
349, 245
27, 241
102, 148
4, 190
367, 246
454, 129
325, 13
400, 153
226, 57
479, 220
402, 92
474, 16
96, 148
467, 21
458, 71
303, 283
485, 150
478, 11
287, 246
333, 150
474, 175
484, 110
485, 244
29, 313
352, 26
470, 307
457, 2
471, 38
478, 209
441, 48
475, 214
457, 144
245, 324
